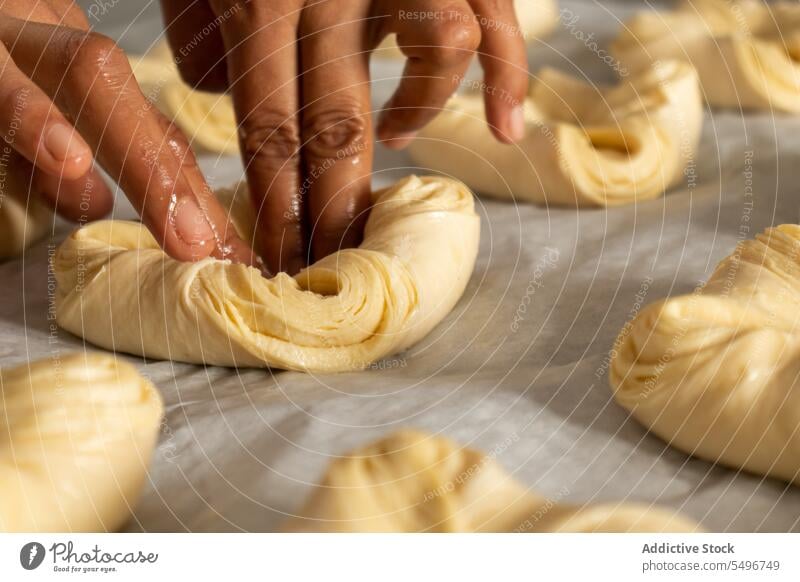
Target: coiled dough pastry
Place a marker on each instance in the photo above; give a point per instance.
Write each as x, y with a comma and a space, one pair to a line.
584, 145
208, 119
716, 373
746, 51
536, 19
76, 436
117, 288
416, 482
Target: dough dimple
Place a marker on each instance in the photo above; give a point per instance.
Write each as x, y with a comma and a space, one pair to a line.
76, 436
117, 289
411, 481
715, 373
585, 145
745, 51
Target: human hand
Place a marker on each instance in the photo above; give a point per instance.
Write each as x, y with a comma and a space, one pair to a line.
299, 77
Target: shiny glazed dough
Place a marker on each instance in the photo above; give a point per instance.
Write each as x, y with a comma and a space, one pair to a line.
76, 436
536, 18
716, 373
584, 145
745, 51
416, 482
118, 290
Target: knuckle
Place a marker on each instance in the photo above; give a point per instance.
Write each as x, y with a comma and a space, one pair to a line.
455, 40
338, 132
93, 51
271, 141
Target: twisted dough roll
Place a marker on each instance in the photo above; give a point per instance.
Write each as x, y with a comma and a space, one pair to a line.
117, 288
76, 436
416, 482
23, 220
745, 51
584, 145
716, 373
536, 19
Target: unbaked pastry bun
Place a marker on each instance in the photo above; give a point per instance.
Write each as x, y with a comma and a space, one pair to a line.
745, 51
585, 145
417, 482
76, 436
717, 373
119, 290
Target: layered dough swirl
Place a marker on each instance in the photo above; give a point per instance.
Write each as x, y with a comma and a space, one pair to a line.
746, 51
717, 373
117, 288
584, 145
76, 436
416, 482
536, 19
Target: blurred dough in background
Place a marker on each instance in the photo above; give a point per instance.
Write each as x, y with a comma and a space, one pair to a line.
118, 290
746, 52
536, 18
416, 482
585, 144
207, 119
717, 373
76, 437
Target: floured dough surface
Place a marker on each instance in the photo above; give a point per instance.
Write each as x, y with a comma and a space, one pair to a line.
411, 481
585, 145
76, 436
120, 291
745, 51
717, 373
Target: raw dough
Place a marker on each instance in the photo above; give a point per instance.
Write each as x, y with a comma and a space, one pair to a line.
585, 145
207, 119
716, 373
746, 51
76, 436
117, 289
536, 18
22, 222
415, 482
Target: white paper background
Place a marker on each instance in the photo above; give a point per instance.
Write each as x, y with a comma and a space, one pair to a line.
240, 450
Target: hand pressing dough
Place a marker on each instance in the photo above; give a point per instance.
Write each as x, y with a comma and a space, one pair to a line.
585, 145
76, 436
416, 482
717, 373
746, 51
117, 289
207, 119
536, 19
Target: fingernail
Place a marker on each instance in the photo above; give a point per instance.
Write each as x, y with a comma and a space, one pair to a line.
399, 140
64, 143
190, 223
516, 123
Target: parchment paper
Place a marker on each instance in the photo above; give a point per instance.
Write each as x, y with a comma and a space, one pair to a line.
519, 369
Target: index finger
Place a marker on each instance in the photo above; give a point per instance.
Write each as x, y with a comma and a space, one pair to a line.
90, 79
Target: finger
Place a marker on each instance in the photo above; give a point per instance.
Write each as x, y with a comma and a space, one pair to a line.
91, 81
439, 50
194, 36
70, 14
335, 121
85, 199
262, 71
34, 127
504, 60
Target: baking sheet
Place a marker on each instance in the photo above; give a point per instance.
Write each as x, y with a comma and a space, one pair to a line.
518, 369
